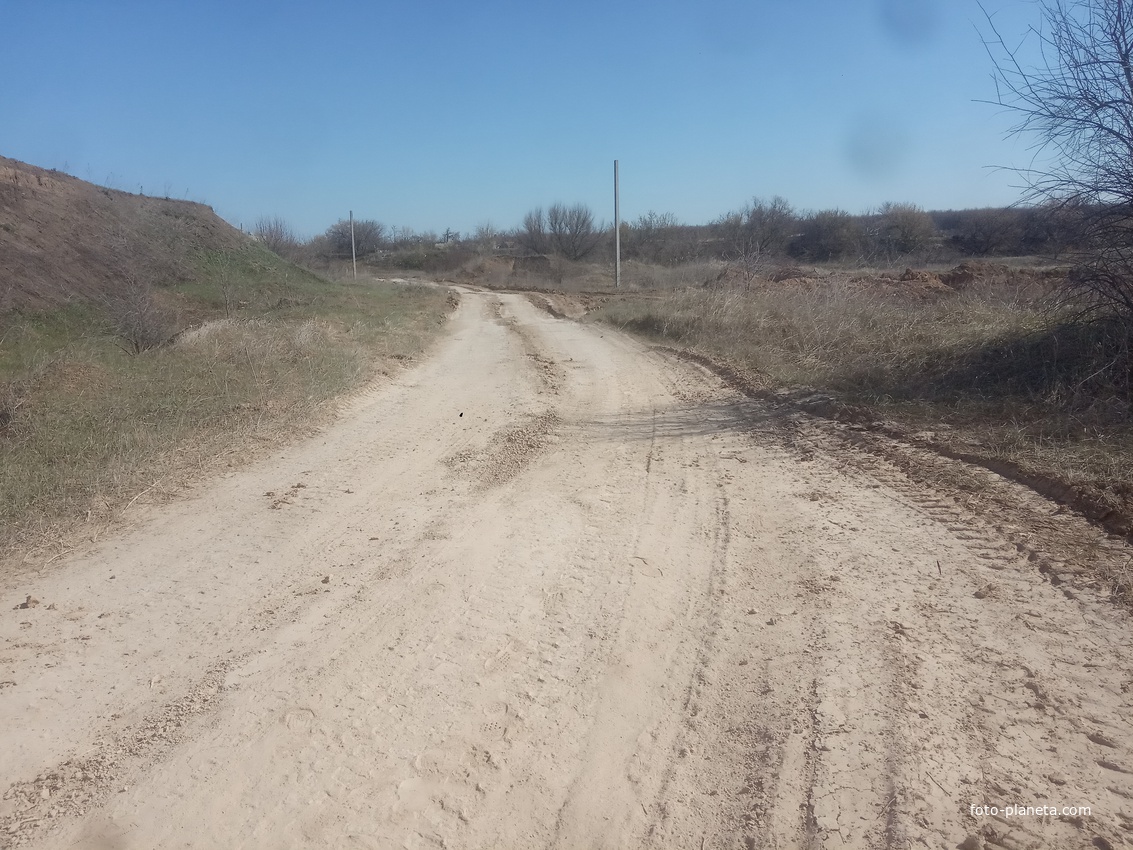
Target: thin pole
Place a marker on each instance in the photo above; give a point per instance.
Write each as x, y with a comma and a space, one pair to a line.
353, 253
617, 233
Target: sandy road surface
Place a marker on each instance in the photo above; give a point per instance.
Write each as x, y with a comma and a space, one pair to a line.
611, 605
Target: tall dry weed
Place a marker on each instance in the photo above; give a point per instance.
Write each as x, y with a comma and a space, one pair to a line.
995, 365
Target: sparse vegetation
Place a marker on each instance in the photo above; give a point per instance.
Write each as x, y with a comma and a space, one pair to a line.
368, 238
828, 235
139, 318
1076, 107
569, 232
761, 229
186, 347
992, 371
276, 235
899, 230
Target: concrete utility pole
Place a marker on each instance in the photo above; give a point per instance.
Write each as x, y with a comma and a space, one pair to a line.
617, 233
353, 253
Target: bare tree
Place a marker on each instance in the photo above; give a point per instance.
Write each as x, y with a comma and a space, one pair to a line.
1077, 105
533, 235
739, 248
646, 238
572, 231
485, 238
760, 228
486, 232
369, 237
984, 232
828, 235
755, 233
770, 225
902, 229
276, 235
1053, 228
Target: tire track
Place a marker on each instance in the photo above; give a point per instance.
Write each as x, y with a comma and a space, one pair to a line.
614, 604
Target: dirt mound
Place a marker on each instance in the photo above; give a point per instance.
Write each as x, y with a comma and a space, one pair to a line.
919, 284
961, 276
786, 273
787, 276
923, 283
484, 271
975, 272
910, 276
536, 264
63, 239
928, 284
967, 273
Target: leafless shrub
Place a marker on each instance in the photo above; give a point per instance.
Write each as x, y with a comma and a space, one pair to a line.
1077, 107
752, 236
139, 320
984, 232
369, 238
900, 229
485, 239
759, 229
276, 235
828, 235
572, 230
650, 237
533, 234
567, 231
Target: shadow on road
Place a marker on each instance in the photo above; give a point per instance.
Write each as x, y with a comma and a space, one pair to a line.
691, 420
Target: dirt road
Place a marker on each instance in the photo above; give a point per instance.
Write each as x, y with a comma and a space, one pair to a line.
550, 588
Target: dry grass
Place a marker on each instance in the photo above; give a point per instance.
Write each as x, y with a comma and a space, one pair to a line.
86, 427
648, 277
560, 275
991, 371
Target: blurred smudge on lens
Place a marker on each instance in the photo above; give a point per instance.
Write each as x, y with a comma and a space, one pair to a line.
909, 23
876, 146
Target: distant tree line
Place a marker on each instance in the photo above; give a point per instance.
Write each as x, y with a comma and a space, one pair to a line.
894, 232
772, 230
371, 242
760, 232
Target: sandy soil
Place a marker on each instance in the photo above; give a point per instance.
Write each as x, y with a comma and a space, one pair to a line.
550, 588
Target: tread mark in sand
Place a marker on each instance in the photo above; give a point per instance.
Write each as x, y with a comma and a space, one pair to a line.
81, 783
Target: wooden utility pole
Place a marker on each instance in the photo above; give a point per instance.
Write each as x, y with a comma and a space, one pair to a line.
617, 233
353, 253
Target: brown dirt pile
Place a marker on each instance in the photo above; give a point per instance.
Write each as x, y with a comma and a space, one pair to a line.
63, 239
927, 284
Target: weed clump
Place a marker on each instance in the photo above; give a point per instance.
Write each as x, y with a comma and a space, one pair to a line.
139, 319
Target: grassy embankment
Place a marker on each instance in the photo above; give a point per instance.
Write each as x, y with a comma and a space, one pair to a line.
86, 427
992, 371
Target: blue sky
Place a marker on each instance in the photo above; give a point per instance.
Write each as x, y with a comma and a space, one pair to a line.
437, 115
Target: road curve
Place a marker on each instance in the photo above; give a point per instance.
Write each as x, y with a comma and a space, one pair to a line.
551, 588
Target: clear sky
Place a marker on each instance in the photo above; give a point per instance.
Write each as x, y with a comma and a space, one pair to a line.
447, 114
